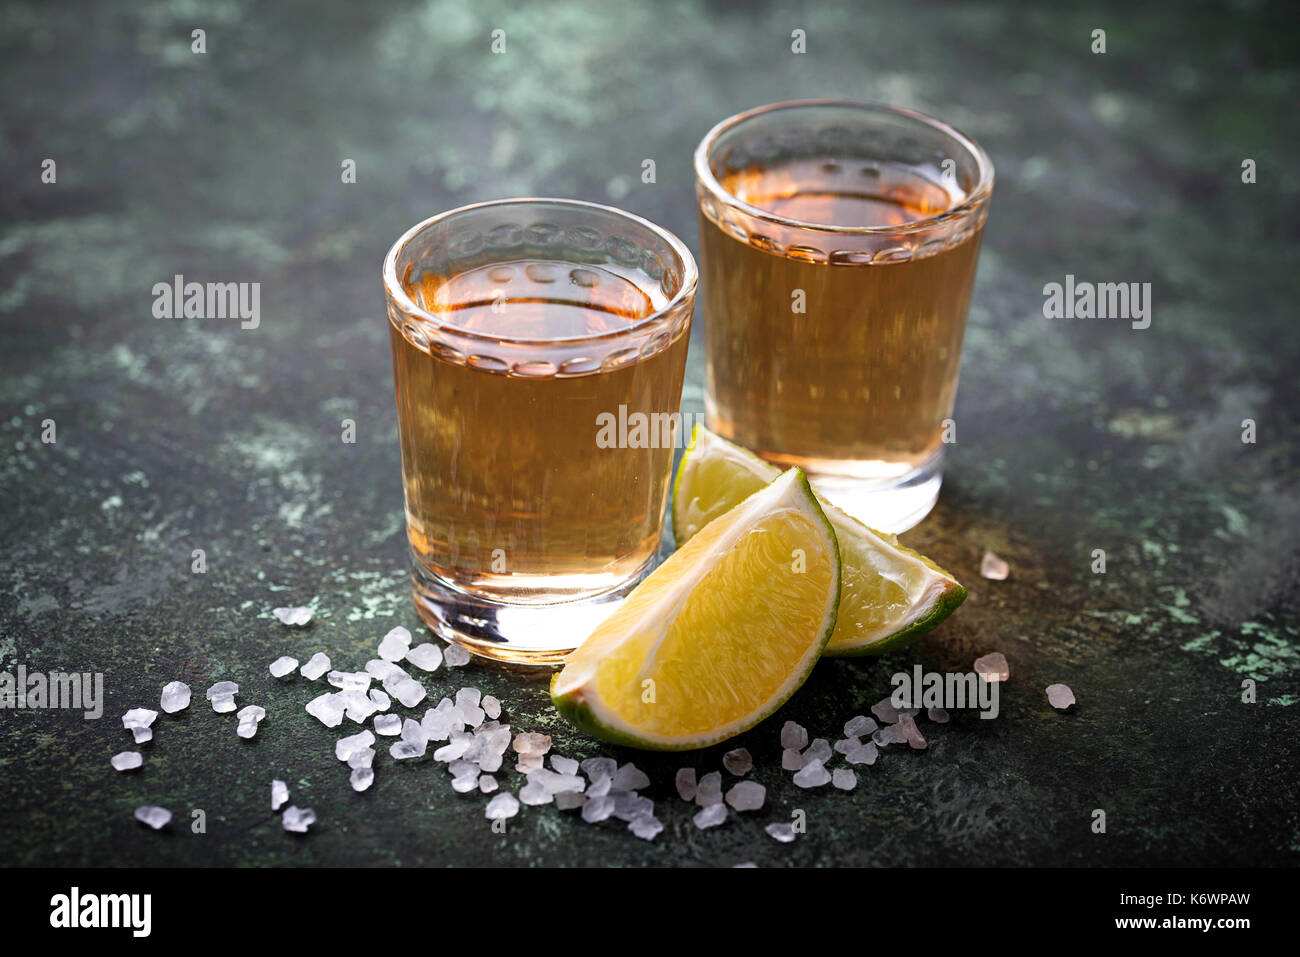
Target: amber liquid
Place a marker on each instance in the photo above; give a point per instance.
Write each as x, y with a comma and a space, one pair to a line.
859, 385
508, 493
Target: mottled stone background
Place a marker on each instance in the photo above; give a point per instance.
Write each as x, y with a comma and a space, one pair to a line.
1072, 434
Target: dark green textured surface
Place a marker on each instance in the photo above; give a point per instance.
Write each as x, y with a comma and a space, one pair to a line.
1072, 434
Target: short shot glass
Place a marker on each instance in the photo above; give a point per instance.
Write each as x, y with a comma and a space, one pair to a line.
520, 330
838, 245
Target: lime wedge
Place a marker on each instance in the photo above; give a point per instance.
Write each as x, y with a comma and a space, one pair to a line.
892, 595
719, 635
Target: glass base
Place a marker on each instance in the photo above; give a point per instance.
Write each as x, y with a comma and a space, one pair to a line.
876, 494
530, 635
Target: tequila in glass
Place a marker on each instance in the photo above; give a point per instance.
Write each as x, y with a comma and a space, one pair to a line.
517, 328
838, 251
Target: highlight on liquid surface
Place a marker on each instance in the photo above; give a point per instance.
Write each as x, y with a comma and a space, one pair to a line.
858, 383
840, 192
537, 299
507, 493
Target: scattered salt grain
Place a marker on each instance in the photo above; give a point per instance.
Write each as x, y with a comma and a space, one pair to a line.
142, 735
361, 779
781, 832
406, 690
889, 734
491, 707
153, 816
911, 732
528, 763
222, 695
426, 656
283, 666
349, 680
747, 796
794, 736
358, 706
599, 767
439, 722
812, 775
365, 758
1060, 696
866, 754
487, 783
819, 750
494, 738
709, 790
859, 726
738, 762
175, 696
344, 748
380, 669
791, 760
533, 793
138, 718
629, 805
885, 711
686, 785
530, 742
413, 731
327, 709
250, 717
711, 816
293, 616
453, 749
994, 568
126, 760
316, 666
465, 783
844, 779
845, 745
279, 794
630, 778
993, 667
554, 782
298, 819
568, 800
471, 715
598, 809
646, 827
564, 765
395, 644
502, 806
404, 750
455, 657
379, 699
389, 725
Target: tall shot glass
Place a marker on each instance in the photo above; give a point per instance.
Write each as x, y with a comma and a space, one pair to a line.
838, 244
520, 329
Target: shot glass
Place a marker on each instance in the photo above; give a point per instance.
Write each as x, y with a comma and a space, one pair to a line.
838, 244
520, 330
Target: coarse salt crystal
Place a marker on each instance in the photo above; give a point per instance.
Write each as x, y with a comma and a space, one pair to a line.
298, 616
1060, 696
994, 568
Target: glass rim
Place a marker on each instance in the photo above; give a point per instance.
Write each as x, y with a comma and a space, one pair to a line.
977, 197
397, 291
